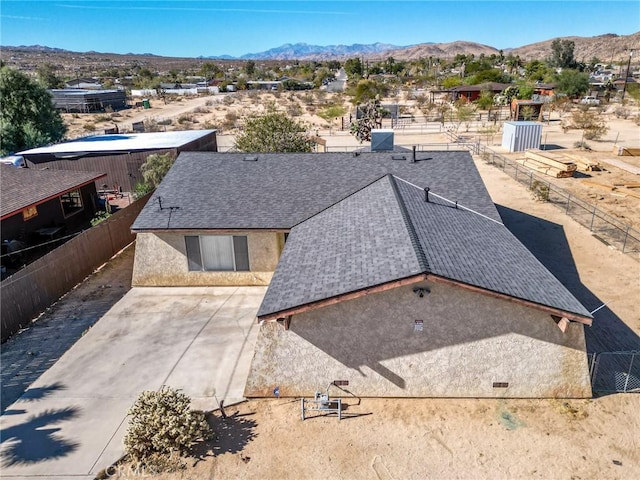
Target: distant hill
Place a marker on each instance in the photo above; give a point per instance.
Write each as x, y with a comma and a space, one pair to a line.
304, 51
608, 48
441, 50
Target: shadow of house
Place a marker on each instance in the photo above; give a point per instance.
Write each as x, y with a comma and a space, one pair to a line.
547, 241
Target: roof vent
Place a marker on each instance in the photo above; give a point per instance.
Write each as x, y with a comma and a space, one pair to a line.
398, 157
252, 158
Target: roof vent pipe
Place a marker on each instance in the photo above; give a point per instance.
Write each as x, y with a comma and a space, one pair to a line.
426, 194
413, 157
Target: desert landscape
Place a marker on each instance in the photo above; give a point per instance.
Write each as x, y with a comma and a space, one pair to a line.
456, 438
449, 438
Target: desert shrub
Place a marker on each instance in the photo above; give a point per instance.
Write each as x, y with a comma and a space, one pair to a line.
209, 125
622, 112
596, 132
200, 110
229, 100
163, 427
185, 118
636, 119
164, 121
89, 126
295, 110
230, 120
101, 118
582, 145
209, 103
108, 109
539, 191
151, 125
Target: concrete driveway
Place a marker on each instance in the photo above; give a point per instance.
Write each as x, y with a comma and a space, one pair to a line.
70, 422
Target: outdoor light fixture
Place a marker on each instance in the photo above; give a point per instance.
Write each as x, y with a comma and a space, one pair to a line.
421, 292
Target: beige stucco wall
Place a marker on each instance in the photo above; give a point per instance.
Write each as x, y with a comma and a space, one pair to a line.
161, 260
469, 341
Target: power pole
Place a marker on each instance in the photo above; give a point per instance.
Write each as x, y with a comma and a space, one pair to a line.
624, 88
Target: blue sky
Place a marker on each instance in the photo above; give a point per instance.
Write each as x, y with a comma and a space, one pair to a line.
193, 28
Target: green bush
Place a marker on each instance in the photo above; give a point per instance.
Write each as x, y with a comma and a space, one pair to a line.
163, 427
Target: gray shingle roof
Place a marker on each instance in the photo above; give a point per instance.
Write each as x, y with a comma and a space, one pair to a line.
278, 191
22, 187
388, 232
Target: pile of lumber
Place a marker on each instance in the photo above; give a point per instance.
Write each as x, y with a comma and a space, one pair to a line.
626, 151
584, 164
554, 165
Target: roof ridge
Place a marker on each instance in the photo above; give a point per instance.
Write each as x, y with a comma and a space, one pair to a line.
415, 241
456, 204
343, 198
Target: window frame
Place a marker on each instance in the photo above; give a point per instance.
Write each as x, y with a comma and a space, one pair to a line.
76, 199
195, 256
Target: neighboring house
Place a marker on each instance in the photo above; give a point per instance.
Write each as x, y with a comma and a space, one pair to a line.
119, 155
37, 205
472, 92
88, 101
84, 84
397, 274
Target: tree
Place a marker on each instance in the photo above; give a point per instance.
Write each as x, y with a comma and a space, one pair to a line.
371, 114
273, 132
367, 90
562, 54
47, 76
210, 70
156, 167
353, 67
250, 68
572, 83
27, 116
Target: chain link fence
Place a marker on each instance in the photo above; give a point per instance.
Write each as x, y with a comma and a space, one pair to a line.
615, 372
605, 227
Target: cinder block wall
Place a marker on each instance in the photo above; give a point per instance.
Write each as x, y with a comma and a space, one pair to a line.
468, 342
161, 260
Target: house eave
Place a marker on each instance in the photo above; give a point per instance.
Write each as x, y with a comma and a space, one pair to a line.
575, 317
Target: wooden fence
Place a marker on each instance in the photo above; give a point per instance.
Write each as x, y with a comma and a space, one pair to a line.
36, 287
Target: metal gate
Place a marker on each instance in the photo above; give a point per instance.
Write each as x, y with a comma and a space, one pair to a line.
613, 372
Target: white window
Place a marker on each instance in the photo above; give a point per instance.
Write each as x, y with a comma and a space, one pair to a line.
217, 253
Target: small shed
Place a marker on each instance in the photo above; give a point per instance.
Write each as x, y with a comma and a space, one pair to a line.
519, 136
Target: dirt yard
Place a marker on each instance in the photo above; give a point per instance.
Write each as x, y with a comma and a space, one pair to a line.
460, 438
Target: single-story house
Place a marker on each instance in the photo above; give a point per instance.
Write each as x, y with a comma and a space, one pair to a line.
472, 92
392, 272
39, 205
119, 155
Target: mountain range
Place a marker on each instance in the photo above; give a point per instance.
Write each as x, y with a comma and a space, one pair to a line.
608, 47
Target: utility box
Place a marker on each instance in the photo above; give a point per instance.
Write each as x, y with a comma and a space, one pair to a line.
381, 140
519, 136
